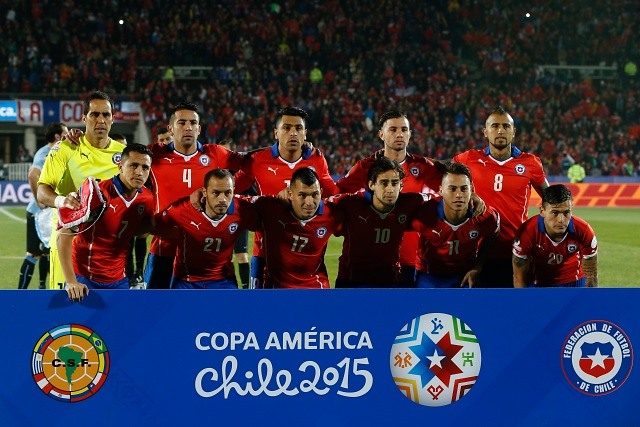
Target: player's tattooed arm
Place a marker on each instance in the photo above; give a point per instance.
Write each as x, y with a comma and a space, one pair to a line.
520, 269
590, 268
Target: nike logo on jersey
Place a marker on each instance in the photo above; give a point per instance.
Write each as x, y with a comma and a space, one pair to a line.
272, 169
436, 232
112, 207
168, 159
484, 162
196, 225
84, 155
283, 223
363, 218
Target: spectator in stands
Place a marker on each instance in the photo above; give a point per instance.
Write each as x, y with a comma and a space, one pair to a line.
576, 173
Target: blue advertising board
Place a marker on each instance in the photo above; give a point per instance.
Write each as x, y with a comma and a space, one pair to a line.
341, 357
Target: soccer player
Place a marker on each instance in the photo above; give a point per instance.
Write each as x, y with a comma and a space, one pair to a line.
561, 247
452, 240
271, 170
375, 221
69, 164
503, 177
178, 168
240, 251
36, 249
95, 256
163, 135
421, 176
296, 234
207, 237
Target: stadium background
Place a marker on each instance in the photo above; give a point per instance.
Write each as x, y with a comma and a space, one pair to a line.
566, 71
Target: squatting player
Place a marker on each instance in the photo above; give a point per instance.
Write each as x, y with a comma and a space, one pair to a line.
95, 255
503, 177
561, 248
453, 242
375, 221
207, 237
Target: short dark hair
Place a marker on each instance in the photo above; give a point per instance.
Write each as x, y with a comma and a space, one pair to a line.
227, 142
160, 129
391, 114
455, 168
499, 110
182, 106
97, 95
291, 111
136, 148
118, 136
52, 130
219, 173
556, 194
306, 175
382, 165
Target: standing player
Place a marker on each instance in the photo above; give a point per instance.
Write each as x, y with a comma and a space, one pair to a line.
36, 249
562, 248
375, 221
271, 169
95, 257
207, 237
69, 164
453, 241
163, 135
503, 177
295, 235
421, 176
178, 168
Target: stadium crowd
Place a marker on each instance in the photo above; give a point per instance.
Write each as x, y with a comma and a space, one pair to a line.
447, 63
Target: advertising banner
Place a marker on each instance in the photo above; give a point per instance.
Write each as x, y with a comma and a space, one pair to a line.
526, 357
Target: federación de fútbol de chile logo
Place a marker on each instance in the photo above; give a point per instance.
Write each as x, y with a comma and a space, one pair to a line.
435, 359
597, 357
70, 363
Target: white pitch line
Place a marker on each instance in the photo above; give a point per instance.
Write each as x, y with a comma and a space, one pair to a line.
12, 216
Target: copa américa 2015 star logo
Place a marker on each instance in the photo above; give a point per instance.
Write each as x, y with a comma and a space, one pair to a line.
70, 363
597, 357
435, 359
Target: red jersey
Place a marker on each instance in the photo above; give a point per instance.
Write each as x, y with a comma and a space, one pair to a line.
175, 175
421, 176
506, 186
555, 263
272, 174
100, 249
294, 249
448, 250
205, 246
371, 246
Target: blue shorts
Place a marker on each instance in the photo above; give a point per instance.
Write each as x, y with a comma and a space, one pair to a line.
427, 280
580, 283
158, 271
92, 284
205, 284
257, 273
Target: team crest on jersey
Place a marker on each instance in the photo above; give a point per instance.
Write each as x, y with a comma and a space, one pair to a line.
520, 169
597, 357
141, 209
572, 247
414, 170
233, 227
402, 219
473, 234
321, 232
204, 160
116, 158
435, 359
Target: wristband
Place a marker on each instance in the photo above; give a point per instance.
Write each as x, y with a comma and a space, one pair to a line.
59, 201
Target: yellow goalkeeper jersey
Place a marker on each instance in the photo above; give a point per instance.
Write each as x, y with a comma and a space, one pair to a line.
68, 165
